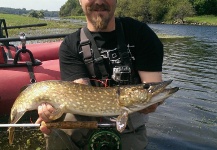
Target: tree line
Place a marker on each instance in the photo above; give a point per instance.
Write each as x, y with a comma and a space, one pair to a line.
32, 13
151, 10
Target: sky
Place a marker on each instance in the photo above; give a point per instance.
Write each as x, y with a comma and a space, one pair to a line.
50, 5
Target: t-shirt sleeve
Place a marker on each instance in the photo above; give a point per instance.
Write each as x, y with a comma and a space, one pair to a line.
149, 50
72, 66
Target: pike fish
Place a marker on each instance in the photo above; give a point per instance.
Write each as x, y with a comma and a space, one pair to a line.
69, 97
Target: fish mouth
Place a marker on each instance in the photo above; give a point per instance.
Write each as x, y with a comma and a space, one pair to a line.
171, 90
159, 87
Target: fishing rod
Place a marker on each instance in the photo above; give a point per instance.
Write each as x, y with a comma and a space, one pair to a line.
103, 136
66, 125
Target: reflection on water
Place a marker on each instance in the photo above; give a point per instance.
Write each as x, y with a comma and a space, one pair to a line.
188, 120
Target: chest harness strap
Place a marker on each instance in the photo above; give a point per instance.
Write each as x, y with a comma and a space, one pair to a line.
92, 56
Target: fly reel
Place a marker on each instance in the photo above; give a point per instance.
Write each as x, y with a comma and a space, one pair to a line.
105, 139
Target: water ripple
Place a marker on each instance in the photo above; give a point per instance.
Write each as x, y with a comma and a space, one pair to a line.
191, 114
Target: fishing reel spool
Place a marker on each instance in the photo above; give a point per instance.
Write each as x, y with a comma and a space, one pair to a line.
105, 139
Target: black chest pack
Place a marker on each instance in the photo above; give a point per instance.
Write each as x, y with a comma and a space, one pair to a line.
122, 74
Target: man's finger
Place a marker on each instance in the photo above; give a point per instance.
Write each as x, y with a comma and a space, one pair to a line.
45, 130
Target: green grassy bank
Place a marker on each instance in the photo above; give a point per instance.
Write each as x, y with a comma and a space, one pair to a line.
53, 27
202, 20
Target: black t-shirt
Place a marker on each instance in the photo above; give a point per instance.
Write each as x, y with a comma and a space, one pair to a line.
141, 42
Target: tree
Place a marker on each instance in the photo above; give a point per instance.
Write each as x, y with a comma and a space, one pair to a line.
141, 11
180, 10
122, 9
205, 7
151, 10
71, 7
158, 9
36, 14
137, 9
41, 14
66, 9
33, 14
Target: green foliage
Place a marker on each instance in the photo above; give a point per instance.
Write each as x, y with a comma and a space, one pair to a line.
179, 11
157, 10
144, 10
36, 14
71, 7
205, 7
23, 11
140, 12
131, 8
123, 9
151, 10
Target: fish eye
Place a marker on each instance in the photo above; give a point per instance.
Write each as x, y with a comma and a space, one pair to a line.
146, 86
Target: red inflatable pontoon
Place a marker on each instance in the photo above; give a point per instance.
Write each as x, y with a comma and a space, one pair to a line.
41, 51
14, 73
14, 78
25, 64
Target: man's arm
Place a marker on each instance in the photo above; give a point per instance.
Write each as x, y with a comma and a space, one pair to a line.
150, 77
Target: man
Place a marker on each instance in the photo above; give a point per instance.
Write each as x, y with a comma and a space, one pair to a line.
144, 49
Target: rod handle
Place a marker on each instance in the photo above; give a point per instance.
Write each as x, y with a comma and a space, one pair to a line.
71, 124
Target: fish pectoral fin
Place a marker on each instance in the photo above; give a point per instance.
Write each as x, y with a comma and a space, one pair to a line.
56, 114
121, 121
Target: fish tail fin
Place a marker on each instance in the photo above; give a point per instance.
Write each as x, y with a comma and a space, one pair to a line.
11, 135
14, 119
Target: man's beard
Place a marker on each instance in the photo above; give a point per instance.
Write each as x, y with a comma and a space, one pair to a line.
100, 22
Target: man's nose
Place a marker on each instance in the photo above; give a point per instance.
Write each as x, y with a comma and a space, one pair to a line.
100, 2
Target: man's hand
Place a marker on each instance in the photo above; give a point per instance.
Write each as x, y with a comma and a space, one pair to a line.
44, 112
151, 108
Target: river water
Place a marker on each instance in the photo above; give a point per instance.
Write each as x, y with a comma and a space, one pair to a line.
187, 120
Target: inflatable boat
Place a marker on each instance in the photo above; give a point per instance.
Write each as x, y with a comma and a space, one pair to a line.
25, 64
